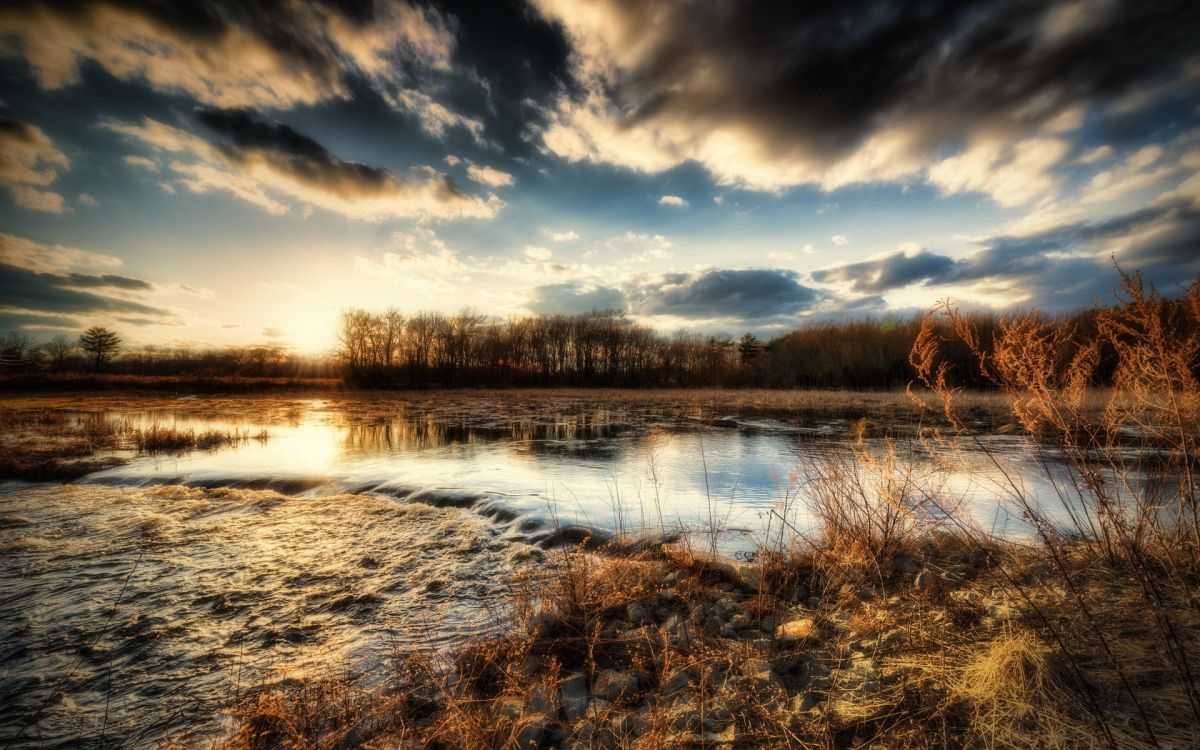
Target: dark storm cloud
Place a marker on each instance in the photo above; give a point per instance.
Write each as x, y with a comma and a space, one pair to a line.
801, 86
296, 153
1062, 268
50, 293
573, 298
891, 272
742, 294
260, 161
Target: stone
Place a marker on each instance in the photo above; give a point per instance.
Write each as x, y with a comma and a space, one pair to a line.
1002, 612
677, 682
739, 621
804, 703
529, 733
906, 565
741, 574
925, 580
636, 613
509, 707
612, 685
573, 696
795, 631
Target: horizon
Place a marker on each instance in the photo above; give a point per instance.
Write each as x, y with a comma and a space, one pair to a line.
224, 174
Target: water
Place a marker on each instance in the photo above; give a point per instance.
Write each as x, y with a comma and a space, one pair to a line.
139, 602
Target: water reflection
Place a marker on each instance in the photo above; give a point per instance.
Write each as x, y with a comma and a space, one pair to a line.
342, 538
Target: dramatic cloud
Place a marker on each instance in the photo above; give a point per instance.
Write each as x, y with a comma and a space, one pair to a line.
889, 272
28, 163
972, 95
233, 53
23, 289
739, 294
262, 162
1062, 268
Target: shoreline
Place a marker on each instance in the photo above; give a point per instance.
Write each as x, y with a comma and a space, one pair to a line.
945, 645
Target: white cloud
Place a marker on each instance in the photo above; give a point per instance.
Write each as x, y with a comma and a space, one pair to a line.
266, 179
422, 263
567, 236
671, 200
537, 253
489, 176
23, 253
29, 162
1096, 155
229, 65
1012, 174
1132, 174
87, 200
839, 239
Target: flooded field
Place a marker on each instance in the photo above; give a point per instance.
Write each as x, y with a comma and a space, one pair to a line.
138, 602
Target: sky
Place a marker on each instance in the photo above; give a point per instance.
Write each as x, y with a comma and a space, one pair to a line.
230, 172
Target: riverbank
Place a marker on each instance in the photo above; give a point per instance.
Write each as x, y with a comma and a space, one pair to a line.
950, 645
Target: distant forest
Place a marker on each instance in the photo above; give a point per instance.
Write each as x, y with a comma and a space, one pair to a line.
390, 349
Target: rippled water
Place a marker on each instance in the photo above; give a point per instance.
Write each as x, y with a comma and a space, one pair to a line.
139, 601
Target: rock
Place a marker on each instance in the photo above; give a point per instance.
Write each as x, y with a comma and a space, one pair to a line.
795, 631
1002, 612
597, 709
542, 698
612, 685
529, 733
543, 622
636, 613
509, 707
925, 580
573, 695
906, 565
804, 703
739, 621
762, 677
741, 574
677, 682
726, 736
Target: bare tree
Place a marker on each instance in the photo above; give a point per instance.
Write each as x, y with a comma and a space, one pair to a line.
59, 349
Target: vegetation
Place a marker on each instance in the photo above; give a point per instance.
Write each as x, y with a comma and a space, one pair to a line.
389, 349
100, 344
901, 622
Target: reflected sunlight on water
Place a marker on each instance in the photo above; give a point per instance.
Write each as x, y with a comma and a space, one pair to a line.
141, 600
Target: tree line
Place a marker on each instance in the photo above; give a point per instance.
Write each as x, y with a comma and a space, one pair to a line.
392, 349
606, 348
100, 350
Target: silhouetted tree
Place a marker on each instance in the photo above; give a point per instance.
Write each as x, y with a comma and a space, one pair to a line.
59, 348
100, 344
749, 347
